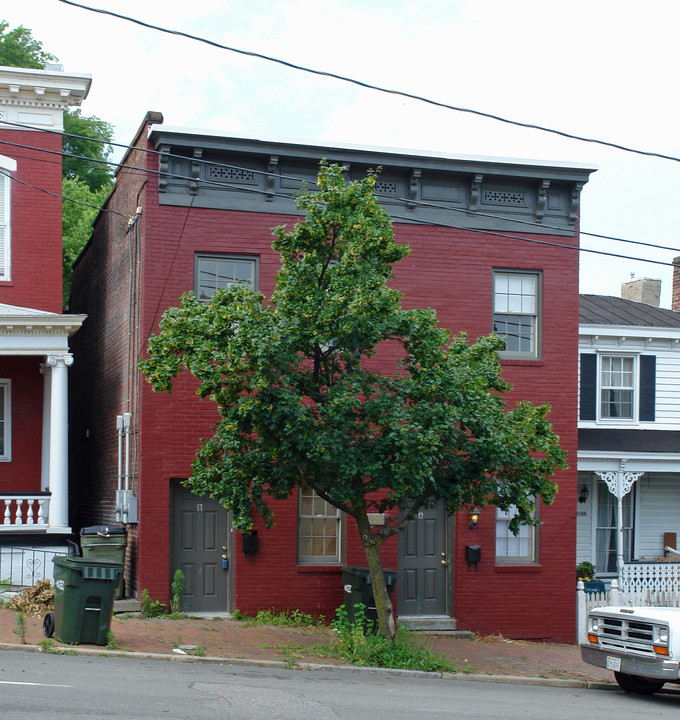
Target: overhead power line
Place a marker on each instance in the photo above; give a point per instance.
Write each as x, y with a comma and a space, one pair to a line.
420, 203
291, 196
377, 88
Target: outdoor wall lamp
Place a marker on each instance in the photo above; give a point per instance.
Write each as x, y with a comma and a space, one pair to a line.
474, 518
583, 495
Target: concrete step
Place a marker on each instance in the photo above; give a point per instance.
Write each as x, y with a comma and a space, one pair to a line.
439, 625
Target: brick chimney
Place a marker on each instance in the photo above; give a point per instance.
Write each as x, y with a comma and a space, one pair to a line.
647, 290
675, 292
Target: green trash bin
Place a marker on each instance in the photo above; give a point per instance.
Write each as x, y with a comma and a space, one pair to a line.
359, 589
83, 600
106, 543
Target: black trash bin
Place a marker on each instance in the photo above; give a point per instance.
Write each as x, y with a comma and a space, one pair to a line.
83, 600
359, 589
106, 543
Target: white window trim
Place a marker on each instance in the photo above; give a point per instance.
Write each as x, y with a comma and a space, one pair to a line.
254, 259
6, 386
7, 165
636, 389
537, 315
322, 559
532, 558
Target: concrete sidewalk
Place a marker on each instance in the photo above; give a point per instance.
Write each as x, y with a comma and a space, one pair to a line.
225, 640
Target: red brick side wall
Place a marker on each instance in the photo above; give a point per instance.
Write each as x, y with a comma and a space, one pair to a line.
35, 221
450, 270
22, 473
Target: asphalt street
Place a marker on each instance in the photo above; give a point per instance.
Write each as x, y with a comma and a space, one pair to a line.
53, 686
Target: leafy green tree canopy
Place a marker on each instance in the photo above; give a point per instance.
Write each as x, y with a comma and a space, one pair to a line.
333, 384
18, 48
87, 148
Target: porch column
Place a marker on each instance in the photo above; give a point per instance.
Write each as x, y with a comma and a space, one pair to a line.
46, 372
619, 484
58, 473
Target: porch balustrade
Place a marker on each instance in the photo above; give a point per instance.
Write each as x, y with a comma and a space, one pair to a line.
641, 577
24, 510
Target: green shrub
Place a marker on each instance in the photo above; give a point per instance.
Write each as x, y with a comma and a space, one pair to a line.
151, 608
358, 643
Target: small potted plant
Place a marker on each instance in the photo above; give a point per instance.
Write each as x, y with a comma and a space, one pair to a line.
585, 571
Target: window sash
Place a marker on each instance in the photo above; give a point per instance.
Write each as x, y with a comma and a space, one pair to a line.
617, 387
218, 272
319, 530
5, 185
515, 311
510, 548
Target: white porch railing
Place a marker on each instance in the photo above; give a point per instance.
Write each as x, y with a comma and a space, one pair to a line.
19, 511
652, 576
637, 595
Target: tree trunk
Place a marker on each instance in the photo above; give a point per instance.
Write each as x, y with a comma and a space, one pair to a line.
383, 604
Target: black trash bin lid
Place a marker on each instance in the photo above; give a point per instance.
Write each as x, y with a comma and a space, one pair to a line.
103, 530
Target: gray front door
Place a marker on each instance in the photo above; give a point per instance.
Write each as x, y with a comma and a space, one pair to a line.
200, 535
424, 565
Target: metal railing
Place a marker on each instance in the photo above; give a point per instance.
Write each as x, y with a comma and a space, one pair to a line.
23, 566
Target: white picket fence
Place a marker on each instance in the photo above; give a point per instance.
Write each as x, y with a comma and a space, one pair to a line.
638, 594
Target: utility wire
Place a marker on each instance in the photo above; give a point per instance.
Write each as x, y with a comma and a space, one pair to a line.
377, 88
420, 203
292, 196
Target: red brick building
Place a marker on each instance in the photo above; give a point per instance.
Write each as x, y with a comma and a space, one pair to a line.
34, 334
494, 245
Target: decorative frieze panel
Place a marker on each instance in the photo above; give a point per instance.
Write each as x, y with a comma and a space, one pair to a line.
242, 176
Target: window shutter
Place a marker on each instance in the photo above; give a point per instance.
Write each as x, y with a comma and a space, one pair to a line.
647, 387
588, 402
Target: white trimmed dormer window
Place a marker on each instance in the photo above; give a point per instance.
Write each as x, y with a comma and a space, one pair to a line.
7, 165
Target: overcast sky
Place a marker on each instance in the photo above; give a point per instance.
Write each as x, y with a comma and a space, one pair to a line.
603, 69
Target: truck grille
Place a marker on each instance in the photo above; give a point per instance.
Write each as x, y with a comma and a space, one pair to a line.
632, 635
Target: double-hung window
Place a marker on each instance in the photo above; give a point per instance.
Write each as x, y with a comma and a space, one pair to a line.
217, 272
514, 549
7, 165
606, 530
516, 302
320, 528
5, 443
617, 387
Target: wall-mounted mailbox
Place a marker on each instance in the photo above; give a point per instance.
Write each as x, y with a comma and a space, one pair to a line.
250, 543
473, 555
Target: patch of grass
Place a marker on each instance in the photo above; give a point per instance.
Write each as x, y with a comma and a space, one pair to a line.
151, 608
47, 646
357, 643
177, 590
279, 618
111, 643
21, 627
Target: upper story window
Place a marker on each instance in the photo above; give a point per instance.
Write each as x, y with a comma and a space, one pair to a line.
217, 272
4, 420
7, 165
618, 387
514, 549
516, 302
319, 530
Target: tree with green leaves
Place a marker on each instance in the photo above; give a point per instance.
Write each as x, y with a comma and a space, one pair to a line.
18, 48
309, 392
86, 144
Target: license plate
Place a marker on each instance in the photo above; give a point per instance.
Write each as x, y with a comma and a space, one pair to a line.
613, 663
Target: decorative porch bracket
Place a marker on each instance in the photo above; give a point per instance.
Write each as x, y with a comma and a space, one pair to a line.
619, 484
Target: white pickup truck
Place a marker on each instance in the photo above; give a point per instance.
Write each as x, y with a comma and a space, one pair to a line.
640, 644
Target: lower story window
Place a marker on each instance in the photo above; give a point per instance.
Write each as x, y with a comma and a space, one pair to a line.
511, 548
319, 530
605, 533
4, 419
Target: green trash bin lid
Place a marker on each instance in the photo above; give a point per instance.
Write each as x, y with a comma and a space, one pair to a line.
103, 530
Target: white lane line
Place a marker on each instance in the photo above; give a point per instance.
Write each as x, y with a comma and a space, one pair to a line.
11, 682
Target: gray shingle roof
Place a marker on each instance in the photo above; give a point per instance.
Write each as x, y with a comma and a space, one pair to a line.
605, 310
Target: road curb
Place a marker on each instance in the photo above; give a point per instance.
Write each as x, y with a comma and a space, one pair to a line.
283, 665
